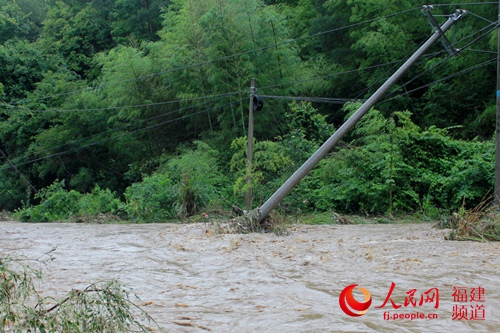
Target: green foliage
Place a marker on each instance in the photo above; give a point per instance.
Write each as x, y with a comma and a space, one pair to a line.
12, 191
152, 199
448, 172
136, 20
56, 204
274, 161
197, 180
22, 65
307, 123
134, 78
182, 187
98, 201
400, 167
77, 34
269, 165
202, 36
101, 307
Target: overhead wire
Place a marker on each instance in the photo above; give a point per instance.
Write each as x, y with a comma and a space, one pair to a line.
223, 58
465, 71
465, 4
243, 53
108, 131
318, 99
479, 16
69, 151
481, 51
233, 55
394, 63
310, 99
115, 129
110, 108
383, 75
448, 57
280, 85
339, 100
218, 95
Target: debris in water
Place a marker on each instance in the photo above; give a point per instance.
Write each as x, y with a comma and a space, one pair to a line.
481, 223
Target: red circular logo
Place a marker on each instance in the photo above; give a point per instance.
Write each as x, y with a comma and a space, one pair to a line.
349, 305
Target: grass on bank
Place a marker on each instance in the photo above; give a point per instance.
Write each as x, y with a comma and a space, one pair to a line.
481, 223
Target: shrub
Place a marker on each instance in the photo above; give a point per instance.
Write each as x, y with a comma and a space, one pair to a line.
197, 179
393, 164
152, 199
98, 201
182, 187
57, 204
269, 168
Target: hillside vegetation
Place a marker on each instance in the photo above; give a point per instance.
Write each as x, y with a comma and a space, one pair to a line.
139, 109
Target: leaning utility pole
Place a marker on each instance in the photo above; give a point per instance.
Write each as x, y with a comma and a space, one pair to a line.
335, 138
496, 200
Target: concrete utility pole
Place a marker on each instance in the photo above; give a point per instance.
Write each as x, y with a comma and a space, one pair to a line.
249, 193
496, 200
287, 187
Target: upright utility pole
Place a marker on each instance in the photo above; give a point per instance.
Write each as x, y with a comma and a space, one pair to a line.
249, 193
335, 138
496, 200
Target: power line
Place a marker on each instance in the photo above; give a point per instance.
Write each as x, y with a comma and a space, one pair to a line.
225, 57
341, 101
346, 72
69, 151
478, 16
327, 75
481, 51
465, 71
241, 53
108, 131
25, 180
280, 85
383, 75
465, 4
114, 129
495, 26
220, 95
449, 56
135, 106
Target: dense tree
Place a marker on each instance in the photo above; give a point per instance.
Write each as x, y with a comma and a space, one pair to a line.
21, 19
77, 34
22, 65
104, 93
137, 19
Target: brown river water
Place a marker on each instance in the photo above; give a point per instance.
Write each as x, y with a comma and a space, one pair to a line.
191, 281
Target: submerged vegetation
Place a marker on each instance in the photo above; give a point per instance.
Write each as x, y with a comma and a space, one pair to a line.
481, 223
100, 307
137, 110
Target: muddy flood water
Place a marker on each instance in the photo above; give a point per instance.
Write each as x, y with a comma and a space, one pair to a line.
191, 281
